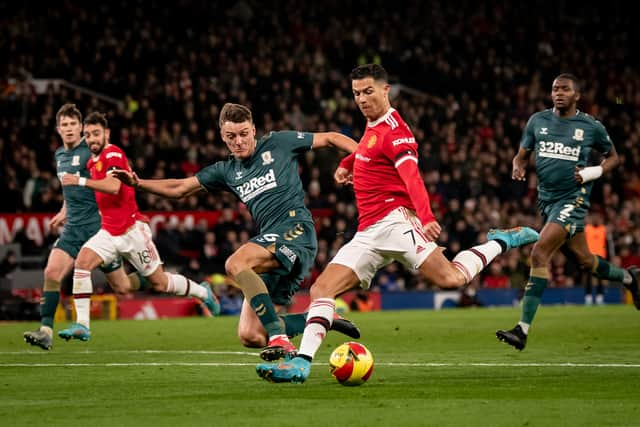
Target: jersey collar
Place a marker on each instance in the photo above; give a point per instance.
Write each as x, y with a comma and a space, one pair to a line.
553, 110
384, 117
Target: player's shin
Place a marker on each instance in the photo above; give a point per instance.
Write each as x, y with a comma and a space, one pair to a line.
293, 323
538, 278
180, 285
472, 261
256, 292
49, 302
82, 290
605, 270
319, 322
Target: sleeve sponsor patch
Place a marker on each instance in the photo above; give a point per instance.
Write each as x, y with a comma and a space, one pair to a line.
399, 141
114, 154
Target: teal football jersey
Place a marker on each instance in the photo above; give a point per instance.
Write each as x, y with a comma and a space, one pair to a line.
81, 201
561, 144
268, 182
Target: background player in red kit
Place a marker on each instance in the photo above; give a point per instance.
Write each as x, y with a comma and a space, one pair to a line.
125, 232
395, 222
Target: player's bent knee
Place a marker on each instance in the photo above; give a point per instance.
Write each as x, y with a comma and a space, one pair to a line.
321, 289
87, 260
53, 273
539, 257
83, 265
334, 280
251, 339
234, 265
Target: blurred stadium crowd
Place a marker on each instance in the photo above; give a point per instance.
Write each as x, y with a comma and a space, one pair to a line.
466, 77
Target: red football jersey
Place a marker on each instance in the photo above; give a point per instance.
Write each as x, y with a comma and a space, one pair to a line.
119, 211
379, 188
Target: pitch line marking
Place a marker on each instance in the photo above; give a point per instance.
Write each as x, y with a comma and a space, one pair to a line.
391, 364
514, 365
232, 353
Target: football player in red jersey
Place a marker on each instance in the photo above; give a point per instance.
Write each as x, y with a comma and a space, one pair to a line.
125, 232
395, 221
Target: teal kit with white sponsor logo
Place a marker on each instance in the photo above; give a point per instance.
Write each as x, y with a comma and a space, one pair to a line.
269, 185
561, 144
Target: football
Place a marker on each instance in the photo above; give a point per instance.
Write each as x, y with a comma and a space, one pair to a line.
351, 363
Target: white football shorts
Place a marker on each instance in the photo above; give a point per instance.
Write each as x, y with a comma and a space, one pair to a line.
136, 245
396, 237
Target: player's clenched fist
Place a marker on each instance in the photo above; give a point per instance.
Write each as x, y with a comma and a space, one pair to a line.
343, 176
432, 230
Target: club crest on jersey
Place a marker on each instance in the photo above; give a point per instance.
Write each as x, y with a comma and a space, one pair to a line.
372, 141
578, 135
99, 166
544, 131
267, 159
75, 161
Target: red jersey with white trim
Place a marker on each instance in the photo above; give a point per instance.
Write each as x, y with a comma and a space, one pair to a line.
119, 211
379, 188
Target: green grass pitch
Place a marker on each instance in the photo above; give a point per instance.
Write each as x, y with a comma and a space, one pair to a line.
433, 368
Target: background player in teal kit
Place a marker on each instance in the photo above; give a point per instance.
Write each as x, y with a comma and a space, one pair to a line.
263, 174
562, 139
81, 220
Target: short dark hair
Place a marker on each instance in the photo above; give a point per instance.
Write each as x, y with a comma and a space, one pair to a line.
376, 71
234, 113
97, 118
68, 110
569, 76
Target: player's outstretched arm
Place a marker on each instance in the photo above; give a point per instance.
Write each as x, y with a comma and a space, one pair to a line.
591, 173
170, 188
335, 139
520, 164
108, 185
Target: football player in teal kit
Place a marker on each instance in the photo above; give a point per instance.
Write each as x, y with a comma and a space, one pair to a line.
263, 174
562, 138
